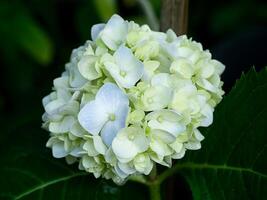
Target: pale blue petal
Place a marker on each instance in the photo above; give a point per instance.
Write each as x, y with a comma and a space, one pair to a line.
111, 128
124, 56
111, 97
58, 150
92, 117
95, 30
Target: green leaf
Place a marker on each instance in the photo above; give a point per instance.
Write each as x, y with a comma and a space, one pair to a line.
232, 163
33, 39
106, 8
24, 33
28, 171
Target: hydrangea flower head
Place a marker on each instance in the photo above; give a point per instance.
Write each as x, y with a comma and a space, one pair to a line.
131, 98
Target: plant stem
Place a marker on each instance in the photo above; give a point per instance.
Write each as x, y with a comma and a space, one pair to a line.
174, 15
153, 173
139, 179
154, 189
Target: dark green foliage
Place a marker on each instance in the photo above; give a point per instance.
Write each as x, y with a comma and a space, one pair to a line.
232, 163
36, 41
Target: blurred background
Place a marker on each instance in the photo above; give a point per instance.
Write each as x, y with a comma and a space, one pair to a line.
37, 38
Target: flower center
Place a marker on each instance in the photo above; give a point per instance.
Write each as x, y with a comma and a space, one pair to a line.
150, 100
112, 117
160, 119
131, 137
123, 73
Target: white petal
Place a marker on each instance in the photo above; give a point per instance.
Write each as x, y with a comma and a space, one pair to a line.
160, 147
114, 32
193, 145
143, 164
75, 77
180, 154
53, 106
129, 142
207, 111
198, 135
99, 145
77, 130
47, 99
153, 98
124, 149
76, 152
171, 127
89, 148
128, 70
126, 168
163, 136
95, 30
177, 146
88, 162
206, 85
87, 67
161, 79
62, 126
120, 173
92, 117
58, 150
149, 69
111, 98
111, 129
61, 82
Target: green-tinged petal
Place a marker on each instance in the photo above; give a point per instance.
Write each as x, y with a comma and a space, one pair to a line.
99, 145
207, 112
77, 130
163, 136
53, 106
89, 148
166, 120
136, 117
129, 142
62, 126
143, 163
162, 79
150, 67
114, 33
182, 67
152, 98
177, 146
88, 68
159, 147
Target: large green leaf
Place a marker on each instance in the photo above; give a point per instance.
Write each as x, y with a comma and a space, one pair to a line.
232, 163
28, 171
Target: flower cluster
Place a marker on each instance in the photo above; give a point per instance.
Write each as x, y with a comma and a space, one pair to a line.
131, 98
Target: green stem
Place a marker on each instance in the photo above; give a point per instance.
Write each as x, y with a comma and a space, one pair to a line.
153, 174
139, 179
154, 189
150, 14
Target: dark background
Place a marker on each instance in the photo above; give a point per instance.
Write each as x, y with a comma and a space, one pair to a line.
37, 38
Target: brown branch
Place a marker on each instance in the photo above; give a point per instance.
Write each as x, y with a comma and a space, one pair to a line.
174, 15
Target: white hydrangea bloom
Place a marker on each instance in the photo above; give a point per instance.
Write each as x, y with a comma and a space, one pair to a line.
131, 98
